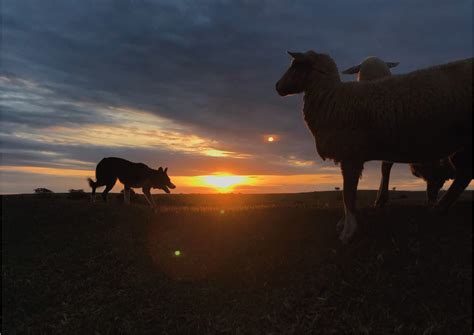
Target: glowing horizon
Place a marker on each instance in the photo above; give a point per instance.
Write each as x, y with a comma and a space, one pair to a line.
63, 179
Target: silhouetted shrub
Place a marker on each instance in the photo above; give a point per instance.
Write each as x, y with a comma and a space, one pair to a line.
43, 192
77, 194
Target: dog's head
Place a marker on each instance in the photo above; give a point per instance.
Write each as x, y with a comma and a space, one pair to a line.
162, 181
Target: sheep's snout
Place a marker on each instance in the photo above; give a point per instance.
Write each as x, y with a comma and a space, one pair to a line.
280, 89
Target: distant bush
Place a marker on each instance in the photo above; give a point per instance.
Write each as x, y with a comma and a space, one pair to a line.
43, 192
77, 194
337, 188
394, 189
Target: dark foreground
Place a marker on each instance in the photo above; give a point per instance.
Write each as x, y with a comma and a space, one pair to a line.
247, 265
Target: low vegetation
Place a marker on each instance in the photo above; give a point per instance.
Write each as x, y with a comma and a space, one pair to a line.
235, 264
77, 194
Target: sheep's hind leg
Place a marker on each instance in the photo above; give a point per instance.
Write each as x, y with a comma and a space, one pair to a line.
351, 172
462, 161
432, 190
383, 194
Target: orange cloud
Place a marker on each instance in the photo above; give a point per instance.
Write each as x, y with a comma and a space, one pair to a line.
130, 128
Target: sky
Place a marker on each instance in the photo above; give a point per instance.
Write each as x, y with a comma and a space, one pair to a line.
189, 85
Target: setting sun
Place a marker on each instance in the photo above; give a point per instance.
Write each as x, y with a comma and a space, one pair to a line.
224, 182
270, 139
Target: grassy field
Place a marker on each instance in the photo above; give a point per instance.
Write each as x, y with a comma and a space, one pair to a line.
237, 264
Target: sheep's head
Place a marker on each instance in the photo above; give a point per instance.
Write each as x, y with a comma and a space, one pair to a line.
306, 69
371, 68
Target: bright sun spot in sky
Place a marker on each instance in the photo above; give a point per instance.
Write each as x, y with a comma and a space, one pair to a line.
224, 182
270, 139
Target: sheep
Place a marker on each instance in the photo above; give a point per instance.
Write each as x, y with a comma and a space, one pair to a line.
434, 173
418, 117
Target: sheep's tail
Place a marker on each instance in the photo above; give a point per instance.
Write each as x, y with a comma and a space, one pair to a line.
92, 183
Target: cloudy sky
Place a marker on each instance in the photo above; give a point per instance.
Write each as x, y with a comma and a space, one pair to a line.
190, 84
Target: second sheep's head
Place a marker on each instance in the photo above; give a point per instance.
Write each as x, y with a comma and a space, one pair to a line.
371, 68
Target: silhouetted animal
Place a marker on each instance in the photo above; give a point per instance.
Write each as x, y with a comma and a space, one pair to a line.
434, 173
418, 117
130, 175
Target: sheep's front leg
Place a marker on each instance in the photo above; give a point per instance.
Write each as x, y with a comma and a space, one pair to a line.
351, 172
383, 195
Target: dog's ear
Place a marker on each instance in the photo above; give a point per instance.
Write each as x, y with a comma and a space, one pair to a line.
160, 169
166, 170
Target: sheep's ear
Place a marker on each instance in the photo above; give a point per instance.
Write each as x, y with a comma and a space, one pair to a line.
391, 64
352, 70
295, 54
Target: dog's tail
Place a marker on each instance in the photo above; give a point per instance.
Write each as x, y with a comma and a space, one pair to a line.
92, 183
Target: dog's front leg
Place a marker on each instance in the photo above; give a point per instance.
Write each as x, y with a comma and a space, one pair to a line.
148, 197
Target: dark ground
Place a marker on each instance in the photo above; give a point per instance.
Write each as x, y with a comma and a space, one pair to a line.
268, 264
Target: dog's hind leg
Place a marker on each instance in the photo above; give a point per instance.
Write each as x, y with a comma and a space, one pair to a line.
93, 195
108, 187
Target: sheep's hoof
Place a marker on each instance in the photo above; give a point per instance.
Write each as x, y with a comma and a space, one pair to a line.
380, 203
349, 228
438, 210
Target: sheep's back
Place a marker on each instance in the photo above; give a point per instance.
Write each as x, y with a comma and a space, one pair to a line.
419, 116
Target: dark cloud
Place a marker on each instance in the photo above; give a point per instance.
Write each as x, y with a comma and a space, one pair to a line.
209, 65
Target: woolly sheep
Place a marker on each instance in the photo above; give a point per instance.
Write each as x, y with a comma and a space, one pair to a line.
434, 173
418, 117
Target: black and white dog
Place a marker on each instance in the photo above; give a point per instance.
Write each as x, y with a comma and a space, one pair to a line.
130, 175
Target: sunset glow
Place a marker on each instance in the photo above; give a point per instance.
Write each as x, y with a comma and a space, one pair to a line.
224, 182
62, 179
